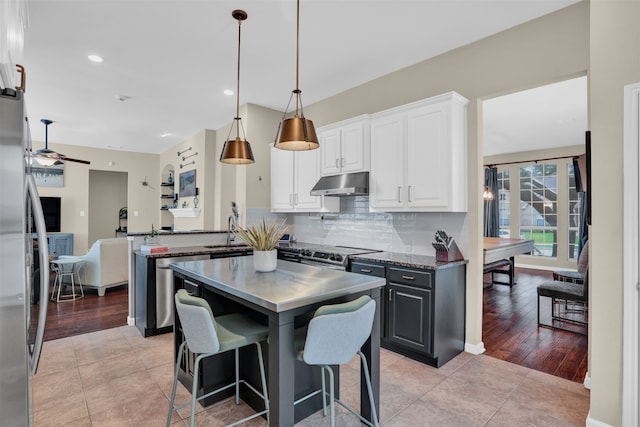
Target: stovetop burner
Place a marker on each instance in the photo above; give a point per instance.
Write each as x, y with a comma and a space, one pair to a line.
336, 255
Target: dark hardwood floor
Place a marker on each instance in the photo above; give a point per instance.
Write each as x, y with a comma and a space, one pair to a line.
510, 329
89, 314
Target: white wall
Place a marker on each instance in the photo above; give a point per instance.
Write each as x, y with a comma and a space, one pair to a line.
75, 193
549, 49
613, 63
107, 194
202, 143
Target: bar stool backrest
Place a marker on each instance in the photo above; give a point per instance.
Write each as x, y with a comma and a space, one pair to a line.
198, 324
336, 332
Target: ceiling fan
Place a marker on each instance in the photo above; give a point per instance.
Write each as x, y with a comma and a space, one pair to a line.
47, 157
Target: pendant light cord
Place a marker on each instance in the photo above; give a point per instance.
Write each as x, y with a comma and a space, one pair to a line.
238, 85
297, 53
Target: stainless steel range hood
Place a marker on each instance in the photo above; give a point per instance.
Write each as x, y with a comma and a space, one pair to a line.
348, 184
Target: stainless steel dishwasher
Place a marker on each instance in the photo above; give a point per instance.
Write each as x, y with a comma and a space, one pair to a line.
164, 288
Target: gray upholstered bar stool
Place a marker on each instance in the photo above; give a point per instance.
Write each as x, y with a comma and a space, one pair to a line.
334, 336
207, 336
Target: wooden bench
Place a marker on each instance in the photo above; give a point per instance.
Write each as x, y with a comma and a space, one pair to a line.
498, 267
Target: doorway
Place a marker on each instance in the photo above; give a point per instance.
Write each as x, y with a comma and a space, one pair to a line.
107, 196
536, 131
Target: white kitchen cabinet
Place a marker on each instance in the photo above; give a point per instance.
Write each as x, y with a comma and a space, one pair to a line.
418, 156
13, 21
344, 146
293, 175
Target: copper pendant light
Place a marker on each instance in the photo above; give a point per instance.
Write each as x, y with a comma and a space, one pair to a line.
237, 151
296, 133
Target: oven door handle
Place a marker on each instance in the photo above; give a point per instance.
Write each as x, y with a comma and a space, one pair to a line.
323, 264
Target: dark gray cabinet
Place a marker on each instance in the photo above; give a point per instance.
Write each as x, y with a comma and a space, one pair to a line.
423, 314
58, 243
409, 320
375, 270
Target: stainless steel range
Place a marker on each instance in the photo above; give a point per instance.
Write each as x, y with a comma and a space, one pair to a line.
335, 257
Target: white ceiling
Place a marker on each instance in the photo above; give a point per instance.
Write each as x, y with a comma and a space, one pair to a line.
172, 59
549, 116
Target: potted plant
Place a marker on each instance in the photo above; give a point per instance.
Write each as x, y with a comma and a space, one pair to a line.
152, 238
263, 238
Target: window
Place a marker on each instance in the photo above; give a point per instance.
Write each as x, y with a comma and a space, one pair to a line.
504, 213
574, 215
539, 207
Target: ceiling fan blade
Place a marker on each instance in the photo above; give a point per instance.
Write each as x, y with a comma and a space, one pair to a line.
50, 154
70, 159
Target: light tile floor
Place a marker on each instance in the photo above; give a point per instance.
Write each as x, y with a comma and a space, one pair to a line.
115, 377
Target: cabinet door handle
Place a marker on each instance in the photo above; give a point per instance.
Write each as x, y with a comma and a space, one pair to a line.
408, 278
409, 193
399, 196
390, 294
365, 270
290, 199
337, 163
341, 162
295, 199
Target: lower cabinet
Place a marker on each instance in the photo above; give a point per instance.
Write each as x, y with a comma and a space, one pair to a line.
59, 243
409, 317
423, 316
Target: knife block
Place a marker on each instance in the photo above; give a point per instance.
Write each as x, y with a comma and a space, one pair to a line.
452, 254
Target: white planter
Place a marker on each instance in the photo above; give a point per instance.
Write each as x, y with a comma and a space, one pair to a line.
265, 261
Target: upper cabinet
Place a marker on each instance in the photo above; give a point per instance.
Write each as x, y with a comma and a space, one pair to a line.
13, 21
344, 146
419, 156
293, 175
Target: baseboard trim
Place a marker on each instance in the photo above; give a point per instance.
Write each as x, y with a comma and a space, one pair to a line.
131, 321
591, 422
474, 348
587, 381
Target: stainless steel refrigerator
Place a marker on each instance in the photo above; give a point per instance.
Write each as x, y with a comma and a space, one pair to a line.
24, 269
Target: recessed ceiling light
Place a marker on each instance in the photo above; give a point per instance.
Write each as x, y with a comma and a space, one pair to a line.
228, 92
95, 58
164, 134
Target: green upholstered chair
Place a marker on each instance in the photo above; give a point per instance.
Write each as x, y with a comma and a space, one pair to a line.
334, 336
206, 336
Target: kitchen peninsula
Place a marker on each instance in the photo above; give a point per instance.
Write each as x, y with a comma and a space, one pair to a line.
285, 299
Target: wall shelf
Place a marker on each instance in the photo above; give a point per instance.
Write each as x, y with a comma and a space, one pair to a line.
186, 212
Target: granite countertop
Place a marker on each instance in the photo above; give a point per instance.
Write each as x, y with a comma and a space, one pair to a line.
290, 286
407, 260
196, 250
170, 232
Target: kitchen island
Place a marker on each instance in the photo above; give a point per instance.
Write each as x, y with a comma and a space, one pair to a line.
284, 299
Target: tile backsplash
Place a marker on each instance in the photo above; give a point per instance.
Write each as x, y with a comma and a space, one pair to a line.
405, 232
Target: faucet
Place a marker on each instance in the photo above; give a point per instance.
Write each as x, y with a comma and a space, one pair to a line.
231, 224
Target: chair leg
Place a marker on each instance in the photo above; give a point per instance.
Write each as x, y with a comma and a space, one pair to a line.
324, 393
237, 352
77, 273
332, 409
538, 309
263, 378
365, 367
194, 389
175, 383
